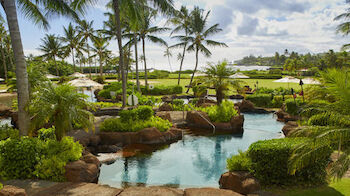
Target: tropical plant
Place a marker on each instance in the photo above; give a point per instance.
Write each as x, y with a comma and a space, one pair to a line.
198, 36
332, 132
33, 11
182, 21
218, 78
168, 54
100, 45
344, 28
86, 32
52, 48
61, 106
72, 41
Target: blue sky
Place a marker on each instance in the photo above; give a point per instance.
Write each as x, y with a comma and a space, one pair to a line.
249, 27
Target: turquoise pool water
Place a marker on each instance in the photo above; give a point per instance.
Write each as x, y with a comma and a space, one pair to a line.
195, 161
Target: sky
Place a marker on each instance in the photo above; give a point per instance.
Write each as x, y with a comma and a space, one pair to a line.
257, 27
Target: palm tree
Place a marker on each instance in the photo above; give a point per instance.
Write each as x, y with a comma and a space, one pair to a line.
147, 31
334, 135
167, 53
3, 34
52, 48
72, 41
86, 32
218, 78
198, 36
62, 106
182, 21
100, 45
164, 5
32, 11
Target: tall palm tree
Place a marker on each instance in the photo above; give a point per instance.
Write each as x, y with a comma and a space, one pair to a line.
218, 78
344, 28
199, 34
32, 11
72, 41
168, 54
86, 32
3, 34
52, 48
165, 6
100, 45
182, 20
147, 31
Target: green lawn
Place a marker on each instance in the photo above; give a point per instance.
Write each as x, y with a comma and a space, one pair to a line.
3, 87
261, 83
341, 188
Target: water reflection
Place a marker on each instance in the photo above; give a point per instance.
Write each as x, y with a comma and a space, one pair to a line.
196, 161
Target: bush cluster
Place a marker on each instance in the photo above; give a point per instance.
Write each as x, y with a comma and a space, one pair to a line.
268, 161
260, 100
115, 87
293, 106
329, 119
221, 113
28, 158
8, 132
162, 90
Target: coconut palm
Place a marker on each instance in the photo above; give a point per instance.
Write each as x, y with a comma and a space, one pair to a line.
37, 12
164, 5
61, 106
198, 37
147, 32
182, 21
168, 54
218, 78
3, 34
72, 42
86, 32
100, 45
333, 132
52, 48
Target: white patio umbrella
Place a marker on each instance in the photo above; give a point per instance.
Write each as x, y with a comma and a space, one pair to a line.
199, 74
288, 79
85, 83
78, 75
50, 76
238, 76
310, 81
2, 79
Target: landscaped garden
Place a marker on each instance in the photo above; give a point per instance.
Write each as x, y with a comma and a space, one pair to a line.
79, 116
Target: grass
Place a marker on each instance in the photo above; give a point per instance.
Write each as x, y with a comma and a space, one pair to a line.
3, 87
338, 188
268, 83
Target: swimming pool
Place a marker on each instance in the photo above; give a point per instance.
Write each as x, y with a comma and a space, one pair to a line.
195, 161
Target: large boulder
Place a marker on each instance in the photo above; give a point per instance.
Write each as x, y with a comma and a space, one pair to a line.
9, 190
237, 123
240, 182
209, 192
151, 191
248, 107
164, 115
167, 99
205, 102
165, 107
150, 136
289, 128
283, 116
81, 171
5, 111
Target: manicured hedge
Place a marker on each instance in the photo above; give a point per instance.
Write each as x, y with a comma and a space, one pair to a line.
293, 106
269, 163
265, 76
260, 100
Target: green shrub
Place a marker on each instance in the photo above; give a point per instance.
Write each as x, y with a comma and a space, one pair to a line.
240, 162
222, 113
128, 115
270, 163
115, 87
46, 134
162, 90
265, 76
29, 158
144, 112
329, 119
277, 101
118, 125
8, 132
293, 106
260, 100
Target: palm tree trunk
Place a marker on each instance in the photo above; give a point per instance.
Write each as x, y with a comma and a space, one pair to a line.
4, 62
75, 68
137, 64
101, 66
194, 71
120, 46
21, 67
182, 61
89, 61
144, 61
